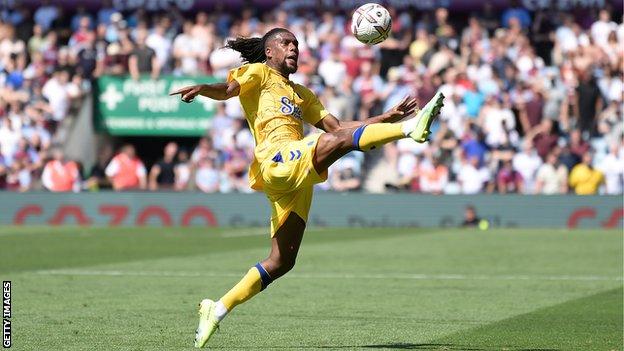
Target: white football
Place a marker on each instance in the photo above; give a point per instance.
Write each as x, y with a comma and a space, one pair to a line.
371, 24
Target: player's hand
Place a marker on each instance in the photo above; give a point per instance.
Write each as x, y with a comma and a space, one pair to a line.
188, 93
403, 109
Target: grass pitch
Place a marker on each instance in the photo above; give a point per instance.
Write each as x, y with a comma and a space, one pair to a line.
352, 289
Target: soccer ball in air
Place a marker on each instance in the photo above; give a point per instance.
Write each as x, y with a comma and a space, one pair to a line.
371, 24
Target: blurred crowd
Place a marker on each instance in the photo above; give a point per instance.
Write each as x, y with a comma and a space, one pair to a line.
534, 99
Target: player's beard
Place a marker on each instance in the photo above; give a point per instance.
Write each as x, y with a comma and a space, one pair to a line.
290, 69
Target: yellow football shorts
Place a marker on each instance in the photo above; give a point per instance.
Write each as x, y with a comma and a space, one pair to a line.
289, 178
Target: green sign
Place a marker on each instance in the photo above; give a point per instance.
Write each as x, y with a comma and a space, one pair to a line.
125, 106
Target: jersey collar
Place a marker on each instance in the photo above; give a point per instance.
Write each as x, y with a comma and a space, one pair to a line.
276, 72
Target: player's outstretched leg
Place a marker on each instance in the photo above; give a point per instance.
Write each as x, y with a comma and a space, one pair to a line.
284, 248
332, 146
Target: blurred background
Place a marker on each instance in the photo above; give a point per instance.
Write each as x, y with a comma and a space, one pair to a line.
534, 94
532, 120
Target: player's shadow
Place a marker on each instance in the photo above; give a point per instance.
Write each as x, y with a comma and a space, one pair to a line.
411, 346
442, 347
403, 346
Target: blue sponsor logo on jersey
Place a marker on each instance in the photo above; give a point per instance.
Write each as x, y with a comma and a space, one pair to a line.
289, 108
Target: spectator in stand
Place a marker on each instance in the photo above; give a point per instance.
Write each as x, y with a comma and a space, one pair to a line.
162, 174
340, 102
578, 146
395, 90
530, 105
527, 162
442, 28
473, 178
82, 35
447, 142
117, 58
143, 59
160, 43
9, 138
87, 58
126, 171
584, 179
189, 52
612, 166
58, 92
333, 70
509, 180
474, 146
552, 176
497, 122
567, 158
106, 12
473, 100
204, 31
610, 121
18, 177
588, 102
602, 28
97, 176
205, 148
516, 11
612, 50
10, 45
368, 87
115, 25
242, 137
434, 176
207, 177
36, 41
15, 69
345, 175
407, 163
544, 138
421, 45
182, 171
27, 153
61, 175
46, 14
221, 126
235, 168
222, 60
50, 48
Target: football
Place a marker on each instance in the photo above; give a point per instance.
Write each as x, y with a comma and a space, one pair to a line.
371, 24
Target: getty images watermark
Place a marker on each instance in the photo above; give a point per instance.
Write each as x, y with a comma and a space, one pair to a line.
6, 314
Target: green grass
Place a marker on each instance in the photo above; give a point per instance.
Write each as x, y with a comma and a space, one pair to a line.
137, 289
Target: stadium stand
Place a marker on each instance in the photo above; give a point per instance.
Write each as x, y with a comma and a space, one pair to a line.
534, 99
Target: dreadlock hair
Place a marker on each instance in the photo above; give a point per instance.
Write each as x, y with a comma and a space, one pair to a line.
252, 49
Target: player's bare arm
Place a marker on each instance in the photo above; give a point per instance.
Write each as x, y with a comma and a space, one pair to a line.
403, 109
215, 91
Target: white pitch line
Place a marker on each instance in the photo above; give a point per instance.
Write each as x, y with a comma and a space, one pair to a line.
227, 233
259, 231
335, 275
245, 232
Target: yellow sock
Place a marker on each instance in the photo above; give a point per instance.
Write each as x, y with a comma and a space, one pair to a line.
252, 283
370, 136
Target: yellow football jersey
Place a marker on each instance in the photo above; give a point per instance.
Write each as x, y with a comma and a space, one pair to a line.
275, 109
585, 180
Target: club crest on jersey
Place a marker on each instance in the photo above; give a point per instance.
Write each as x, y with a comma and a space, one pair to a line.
289, 108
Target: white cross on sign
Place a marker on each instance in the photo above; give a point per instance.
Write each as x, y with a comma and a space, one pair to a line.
111, 97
